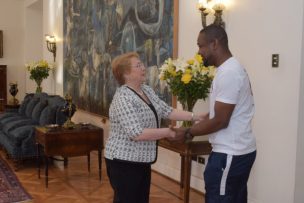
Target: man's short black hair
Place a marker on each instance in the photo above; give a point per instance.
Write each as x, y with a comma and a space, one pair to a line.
213, 32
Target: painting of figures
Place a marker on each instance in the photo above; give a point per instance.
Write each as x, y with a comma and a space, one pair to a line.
97, 31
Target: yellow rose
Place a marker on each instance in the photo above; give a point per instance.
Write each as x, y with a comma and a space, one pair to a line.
188, 71
190, 62
172, 71
186, 78
199, 58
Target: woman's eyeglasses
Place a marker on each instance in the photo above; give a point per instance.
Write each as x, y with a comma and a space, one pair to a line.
139, 65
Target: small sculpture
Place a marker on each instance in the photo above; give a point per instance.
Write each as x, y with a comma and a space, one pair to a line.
13, 91
69, 109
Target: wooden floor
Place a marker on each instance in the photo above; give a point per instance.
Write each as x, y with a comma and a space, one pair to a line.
75, 184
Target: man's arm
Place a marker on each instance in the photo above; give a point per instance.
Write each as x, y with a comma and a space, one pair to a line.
222, 115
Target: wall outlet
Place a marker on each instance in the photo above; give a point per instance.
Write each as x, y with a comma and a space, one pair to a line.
194, 158
275, 60
201, 160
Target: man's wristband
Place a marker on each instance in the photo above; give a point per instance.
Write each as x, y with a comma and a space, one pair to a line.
188, 134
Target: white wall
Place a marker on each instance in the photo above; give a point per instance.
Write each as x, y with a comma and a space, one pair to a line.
256, 30
12, 24
253, 38
53, 25
299, 183
33, 38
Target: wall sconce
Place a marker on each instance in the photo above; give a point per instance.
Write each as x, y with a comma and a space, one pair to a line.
209, 6
51, 44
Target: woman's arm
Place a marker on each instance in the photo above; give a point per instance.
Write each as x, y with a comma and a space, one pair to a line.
155, 134
180, 115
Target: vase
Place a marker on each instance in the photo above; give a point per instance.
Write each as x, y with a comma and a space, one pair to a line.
38, 88
188, 106
13, 91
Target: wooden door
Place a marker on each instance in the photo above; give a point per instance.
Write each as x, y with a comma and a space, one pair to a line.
3, 87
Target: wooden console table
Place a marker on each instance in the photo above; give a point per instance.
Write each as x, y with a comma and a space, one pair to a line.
186, 151
11, 106
3, 89
67, 143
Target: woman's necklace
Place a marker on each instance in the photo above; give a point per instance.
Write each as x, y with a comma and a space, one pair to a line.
141, 93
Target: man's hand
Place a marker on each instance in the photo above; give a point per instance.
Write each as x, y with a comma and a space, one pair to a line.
179, 134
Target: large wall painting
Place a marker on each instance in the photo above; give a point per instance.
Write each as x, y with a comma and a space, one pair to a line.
96, 31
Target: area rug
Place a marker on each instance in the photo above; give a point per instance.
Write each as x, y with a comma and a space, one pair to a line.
11, 189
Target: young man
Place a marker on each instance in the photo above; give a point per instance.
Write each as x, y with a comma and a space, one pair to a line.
228, 122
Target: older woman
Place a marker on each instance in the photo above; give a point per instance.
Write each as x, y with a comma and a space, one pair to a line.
135, 115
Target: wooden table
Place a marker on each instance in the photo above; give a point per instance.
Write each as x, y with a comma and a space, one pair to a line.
63, 142
11, 106
186, 151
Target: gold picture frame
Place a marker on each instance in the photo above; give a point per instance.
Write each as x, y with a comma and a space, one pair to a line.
175, 42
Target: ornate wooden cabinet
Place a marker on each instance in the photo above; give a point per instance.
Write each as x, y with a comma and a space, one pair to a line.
3, 87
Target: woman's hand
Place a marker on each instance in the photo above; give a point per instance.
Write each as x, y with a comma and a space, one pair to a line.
171, 133
179, 134
201, 116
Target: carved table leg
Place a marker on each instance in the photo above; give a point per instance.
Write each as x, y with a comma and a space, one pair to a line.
187, 165
65, 162
99, 163
182, 175
89, 162
46, 170
38, 159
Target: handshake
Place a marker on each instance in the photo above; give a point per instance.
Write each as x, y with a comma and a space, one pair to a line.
183, 134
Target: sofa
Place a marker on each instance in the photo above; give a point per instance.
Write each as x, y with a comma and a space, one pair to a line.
17, 128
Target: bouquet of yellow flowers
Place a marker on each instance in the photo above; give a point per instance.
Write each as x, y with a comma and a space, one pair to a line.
39, 70
188, 80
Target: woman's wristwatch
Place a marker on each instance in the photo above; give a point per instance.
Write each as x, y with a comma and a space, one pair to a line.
188, 134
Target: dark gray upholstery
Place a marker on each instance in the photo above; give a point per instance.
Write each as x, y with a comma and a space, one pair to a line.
48, 115
17, 129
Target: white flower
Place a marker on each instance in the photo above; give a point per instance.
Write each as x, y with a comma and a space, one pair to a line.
180, 64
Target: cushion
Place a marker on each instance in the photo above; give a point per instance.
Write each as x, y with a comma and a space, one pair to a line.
7, 114
19, 134
6, 117
48, 116
24, 104
38, 109
16, 124
10, 119
31, 105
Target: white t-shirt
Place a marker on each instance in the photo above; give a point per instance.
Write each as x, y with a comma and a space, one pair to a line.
231, 85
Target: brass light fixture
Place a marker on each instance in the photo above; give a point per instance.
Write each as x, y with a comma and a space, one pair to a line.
209, 6
51, 44
202, 6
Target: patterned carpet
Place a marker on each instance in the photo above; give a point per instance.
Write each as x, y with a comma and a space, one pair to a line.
10, 188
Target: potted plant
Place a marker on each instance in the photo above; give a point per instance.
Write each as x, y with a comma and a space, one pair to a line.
39, 70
